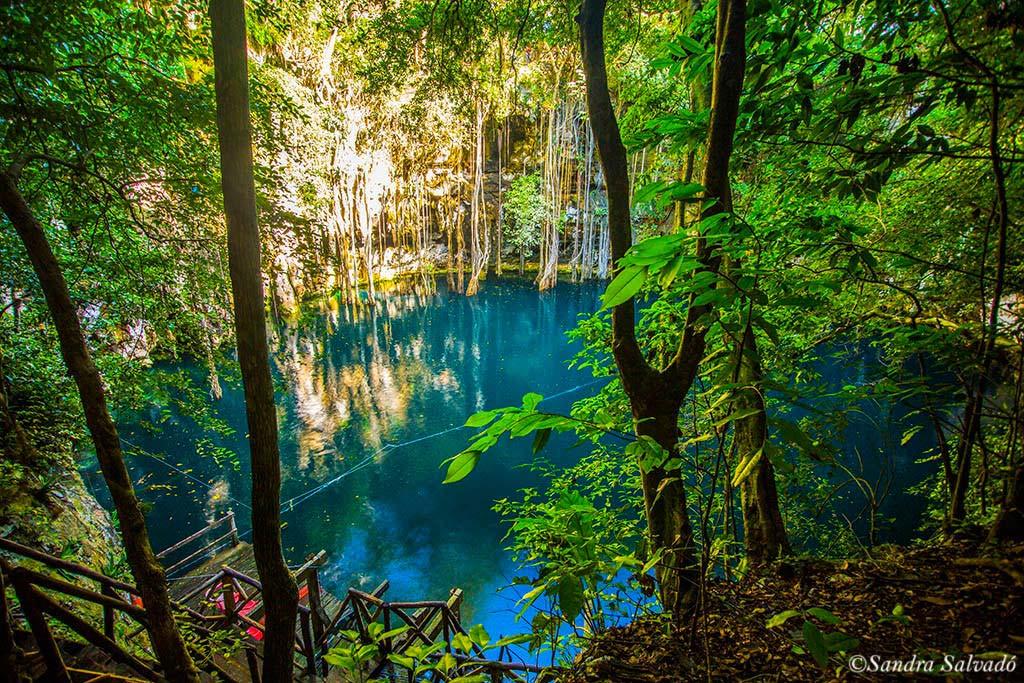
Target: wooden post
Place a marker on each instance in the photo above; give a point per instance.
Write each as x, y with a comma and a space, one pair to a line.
316, 609
55, 669
316, 605
8, 650
228, 591
108, 613
387, 645
254, 664
235, 540
307, 643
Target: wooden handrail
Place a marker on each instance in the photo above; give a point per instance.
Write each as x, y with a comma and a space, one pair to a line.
71, 589
64, 565
347, 610
94, 637
198, 553
245, 578
199, 534
36, 606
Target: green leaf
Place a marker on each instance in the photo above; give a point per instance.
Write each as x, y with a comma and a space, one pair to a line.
480, 419
462, 642
540, 439
402, 661
767, 328
479, 635
531, 401
570, 597
824, 615
625, 285
712, 296
690, 44
746, 467
794, 435
840, 642
461, 465
781, 618
815, 643
736, 415
909, 434
649, 191
517, 639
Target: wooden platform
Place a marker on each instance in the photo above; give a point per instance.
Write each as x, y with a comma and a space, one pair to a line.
195, 590
218, 583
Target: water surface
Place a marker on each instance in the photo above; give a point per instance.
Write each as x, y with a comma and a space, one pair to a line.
369, 407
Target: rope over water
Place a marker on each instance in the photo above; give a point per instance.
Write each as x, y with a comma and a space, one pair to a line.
290, 504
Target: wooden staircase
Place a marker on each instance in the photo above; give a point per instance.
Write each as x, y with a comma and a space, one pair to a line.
76, 625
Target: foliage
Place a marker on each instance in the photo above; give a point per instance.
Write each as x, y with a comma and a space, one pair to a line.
580, 547
356, 652
525, 212
820, 644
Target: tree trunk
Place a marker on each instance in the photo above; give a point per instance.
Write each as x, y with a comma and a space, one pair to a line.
280, 594
1009, 524
655, 398
764, 533
149, 575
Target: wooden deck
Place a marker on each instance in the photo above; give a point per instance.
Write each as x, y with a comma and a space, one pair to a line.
219, 581
196, 591
216, 589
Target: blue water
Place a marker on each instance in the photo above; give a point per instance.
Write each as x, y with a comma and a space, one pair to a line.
365, 407
370, 404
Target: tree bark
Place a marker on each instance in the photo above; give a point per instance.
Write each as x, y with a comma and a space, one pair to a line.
1009, 524
149, 575
764, 533
655, 398
280, 593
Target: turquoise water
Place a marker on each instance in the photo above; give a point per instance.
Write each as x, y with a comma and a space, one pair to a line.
369, 407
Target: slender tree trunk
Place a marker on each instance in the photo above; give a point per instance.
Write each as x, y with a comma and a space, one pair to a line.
479, 241
280, 594
657, 396
149, 575
1009, 524
655, 399
764, 533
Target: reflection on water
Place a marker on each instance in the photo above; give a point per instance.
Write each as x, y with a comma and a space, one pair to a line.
367, 404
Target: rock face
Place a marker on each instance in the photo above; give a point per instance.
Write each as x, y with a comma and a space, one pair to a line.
84, 523
60, 516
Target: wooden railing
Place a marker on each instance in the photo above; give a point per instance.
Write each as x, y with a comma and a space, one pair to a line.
229, 599
208, 548
426, 623
235, 600
42, 596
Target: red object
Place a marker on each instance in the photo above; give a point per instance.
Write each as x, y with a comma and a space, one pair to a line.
253, 631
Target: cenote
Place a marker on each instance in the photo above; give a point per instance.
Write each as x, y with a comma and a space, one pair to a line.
369, 407
371, 403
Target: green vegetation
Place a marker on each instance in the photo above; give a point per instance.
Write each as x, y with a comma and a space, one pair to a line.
764, 183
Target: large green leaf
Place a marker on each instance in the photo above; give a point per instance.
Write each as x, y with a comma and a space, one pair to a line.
480, 419
461, 465
625, 285
570, 597
781, 618
815, 641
